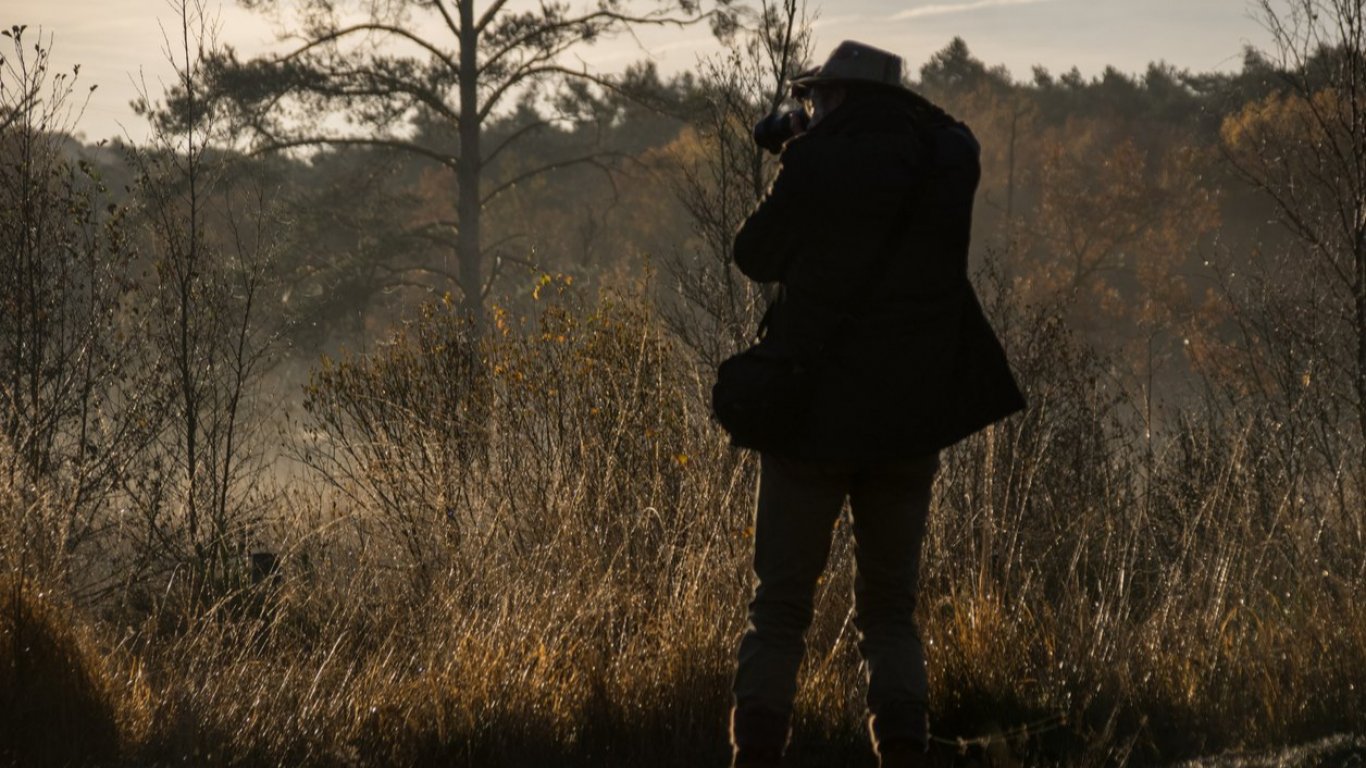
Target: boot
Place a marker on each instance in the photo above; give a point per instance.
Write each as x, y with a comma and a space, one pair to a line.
902, 754
751, 757
900, 734
759, 737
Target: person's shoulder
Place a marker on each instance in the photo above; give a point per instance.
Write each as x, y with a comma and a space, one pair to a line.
947, 137
879, 146
954, 145
820, 154
813, 145
810, 153
960, 135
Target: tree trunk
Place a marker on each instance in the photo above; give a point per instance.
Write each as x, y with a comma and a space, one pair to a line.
468, 171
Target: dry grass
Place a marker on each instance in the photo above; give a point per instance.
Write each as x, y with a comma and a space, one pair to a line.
534, 553
63, 697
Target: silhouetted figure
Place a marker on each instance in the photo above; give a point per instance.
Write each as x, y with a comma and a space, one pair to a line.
265, 569
267, 578
866, 229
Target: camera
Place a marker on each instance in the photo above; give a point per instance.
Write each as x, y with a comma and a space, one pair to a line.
773, 131
776, 128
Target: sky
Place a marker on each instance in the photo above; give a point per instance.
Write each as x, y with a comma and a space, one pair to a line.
119, 43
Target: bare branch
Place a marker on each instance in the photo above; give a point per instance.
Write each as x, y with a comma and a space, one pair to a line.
381, 86
594, 159
487, 18
513, 138
601, 19
446, 15
508, 83
373, 27
277, 145
428, 269
521, 76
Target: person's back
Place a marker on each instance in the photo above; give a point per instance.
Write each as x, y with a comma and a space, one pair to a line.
866, 228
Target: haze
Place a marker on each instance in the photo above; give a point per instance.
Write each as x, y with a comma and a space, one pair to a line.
119, 42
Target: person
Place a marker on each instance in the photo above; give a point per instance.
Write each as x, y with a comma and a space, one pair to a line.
866, 230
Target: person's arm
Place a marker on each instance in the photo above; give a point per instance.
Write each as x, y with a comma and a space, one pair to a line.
773, 233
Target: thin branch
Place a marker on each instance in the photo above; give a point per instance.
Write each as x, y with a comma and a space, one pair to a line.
509, 140
604, 19
547, 69
276, 145
386, 86
500, 242
373, 27
445, 14
524, 71
439, 272
487, 18
593, 159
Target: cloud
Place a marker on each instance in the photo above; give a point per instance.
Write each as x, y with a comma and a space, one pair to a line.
635, 49
835, 21
944, 9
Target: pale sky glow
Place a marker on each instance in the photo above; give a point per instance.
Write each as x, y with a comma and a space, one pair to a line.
944, 9
118, 41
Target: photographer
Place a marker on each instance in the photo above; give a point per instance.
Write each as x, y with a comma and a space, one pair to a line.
866, 230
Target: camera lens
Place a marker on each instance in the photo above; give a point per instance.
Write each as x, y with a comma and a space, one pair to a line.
775, 129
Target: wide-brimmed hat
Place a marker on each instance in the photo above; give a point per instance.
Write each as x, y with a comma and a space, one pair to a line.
854, 62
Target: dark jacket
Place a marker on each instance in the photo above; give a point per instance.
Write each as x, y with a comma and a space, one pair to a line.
915, 367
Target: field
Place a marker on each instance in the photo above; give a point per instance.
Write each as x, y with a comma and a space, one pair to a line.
549, 567
504, 529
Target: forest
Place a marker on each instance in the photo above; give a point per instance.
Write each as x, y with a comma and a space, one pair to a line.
359, 416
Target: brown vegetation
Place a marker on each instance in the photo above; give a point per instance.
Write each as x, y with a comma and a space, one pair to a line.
528, 545
562, 579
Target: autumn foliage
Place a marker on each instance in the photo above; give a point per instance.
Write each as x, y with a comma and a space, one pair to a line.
428, 540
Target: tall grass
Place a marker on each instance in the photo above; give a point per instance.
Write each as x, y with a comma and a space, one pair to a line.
533, 550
